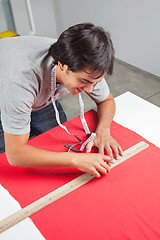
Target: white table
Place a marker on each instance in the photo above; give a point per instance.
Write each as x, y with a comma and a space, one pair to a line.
132, 112
24, 230
139, 116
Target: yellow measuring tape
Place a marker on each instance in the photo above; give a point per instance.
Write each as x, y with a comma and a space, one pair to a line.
62, 191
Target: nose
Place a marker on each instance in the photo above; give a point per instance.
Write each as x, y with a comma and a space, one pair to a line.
88, 88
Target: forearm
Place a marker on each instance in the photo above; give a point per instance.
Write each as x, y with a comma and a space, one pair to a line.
33, 157
29, 156
103, 139
106, 112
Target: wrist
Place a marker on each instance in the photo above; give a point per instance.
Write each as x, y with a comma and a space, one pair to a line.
72, 159
103, 130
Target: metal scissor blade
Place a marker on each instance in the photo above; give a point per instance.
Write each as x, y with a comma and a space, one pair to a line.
72, 148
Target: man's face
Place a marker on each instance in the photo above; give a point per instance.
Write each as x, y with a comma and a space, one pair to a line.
77, 82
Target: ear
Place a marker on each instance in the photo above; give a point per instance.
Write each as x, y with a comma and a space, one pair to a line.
62, 66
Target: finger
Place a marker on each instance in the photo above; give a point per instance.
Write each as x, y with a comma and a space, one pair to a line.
102, 166
120, 150
95, 173
89, 146
109, 151
101, 150
116, 152
106, 166
103, 170
107, 158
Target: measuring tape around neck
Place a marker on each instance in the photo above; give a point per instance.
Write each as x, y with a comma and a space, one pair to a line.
64, 190
84, 123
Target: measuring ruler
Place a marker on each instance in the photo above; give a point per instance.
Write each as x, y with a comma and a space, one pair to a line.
64, 190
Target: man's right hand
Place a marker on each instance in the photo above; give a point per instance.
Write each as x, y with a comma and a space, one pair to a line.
93, 163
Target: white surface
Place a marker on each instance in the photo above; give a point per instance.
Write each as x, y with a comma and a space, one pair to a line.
24, 230
132, 112
133, 26
139, 115
43, 14
3, 26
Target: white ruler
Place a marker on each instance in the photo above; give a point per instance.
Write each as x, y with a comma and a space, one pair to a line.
62, 191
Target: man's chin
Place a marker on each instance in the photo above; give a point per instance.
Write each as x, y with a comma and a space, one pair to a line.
75, 92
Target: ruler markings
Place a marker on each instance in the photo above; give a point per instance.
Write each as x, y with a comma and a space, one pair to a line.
63, 190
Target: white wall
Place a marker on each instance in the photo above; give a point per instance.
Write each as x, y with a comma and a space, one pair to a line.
3, 26
134, 26
43, 13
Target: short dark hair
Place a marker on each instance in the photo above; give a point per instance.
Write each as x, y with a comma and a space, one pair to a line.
84, 46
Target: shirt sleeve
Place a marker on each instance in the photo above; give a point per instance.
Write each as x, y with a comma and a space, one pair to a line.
100, 91
17, 105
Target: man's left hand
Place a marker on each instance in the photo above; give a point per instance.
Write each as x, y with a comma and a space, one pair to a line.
106, 142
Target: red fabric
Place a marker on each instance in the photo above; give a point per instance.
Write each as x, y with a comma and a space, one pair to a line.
124, 204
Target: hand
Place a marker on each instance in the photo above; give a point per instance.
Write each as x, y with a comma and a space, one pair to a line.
105, 141
92, 163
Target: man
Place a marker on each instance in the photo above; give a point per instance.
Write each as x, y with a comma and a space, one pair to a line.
78, 61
